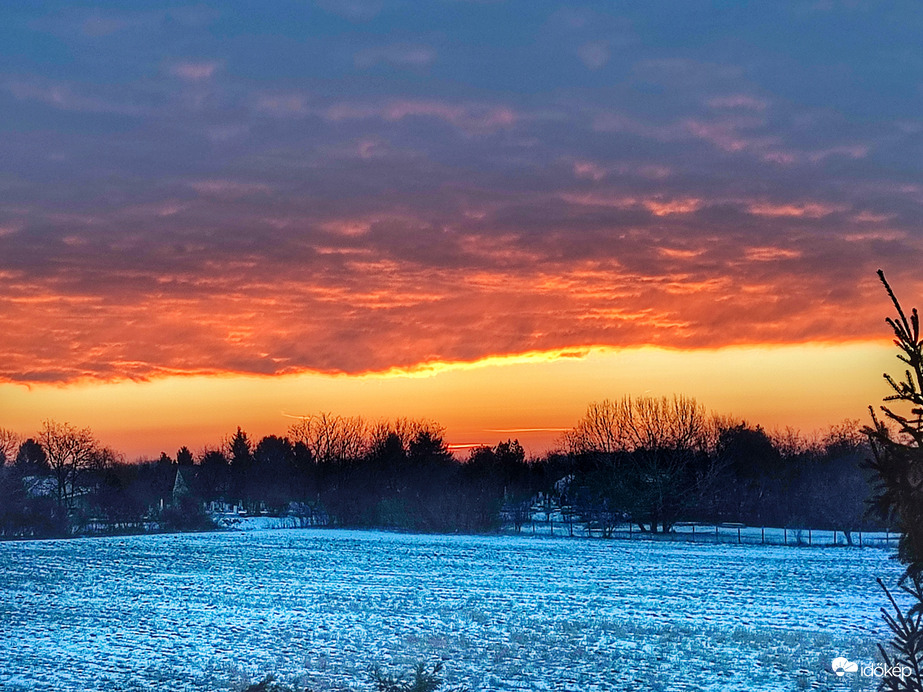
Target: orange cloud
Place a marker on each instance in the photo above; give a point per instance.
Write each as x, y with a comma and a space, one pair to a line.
770, 254
391, 317
658, 206
811, 210
684, 205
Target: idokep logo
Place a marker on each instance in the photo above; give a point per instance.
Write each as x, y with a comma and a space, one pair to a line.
842, 665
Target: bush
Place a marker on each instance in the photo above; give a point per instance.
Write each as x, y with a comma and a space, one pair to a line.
268, 684
421, 680
188, 514
907, 645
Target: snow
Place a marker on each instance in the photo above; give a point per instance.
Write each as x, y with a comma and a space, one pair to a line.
203, 611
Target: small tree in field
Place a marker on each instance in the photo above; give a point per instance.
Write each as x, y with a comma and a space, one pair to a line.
897, 448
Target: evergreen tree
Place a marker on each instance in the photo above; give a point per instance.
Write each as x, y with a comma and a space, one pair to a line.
31, 459
241, 462
184, 456
212, 479
897, 448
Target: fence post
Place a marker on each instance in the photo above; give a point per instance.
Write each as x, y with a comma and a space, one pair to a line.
693, 533
763, 535
716, 533
785, 535
809, 537
738, 535
860, 538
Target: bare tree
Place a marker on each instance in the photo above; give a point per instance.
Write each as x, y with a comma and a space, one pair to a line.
602, 428
651, 452
70, 451
837, 479
790, 442
404, 429
9, 445
331, 438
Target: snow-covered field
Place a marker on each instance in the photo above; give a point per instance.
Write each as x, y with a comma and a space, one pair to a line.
208, 611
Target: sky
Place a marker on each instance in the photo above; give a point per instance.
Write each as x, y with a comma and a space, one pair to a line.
485, 212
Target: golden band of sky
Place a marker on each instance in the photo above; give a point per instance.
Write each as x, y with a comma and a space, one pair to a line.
532, 397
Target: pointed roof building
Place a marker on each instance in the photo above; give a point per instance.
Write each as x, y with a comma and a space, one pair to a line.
180, 486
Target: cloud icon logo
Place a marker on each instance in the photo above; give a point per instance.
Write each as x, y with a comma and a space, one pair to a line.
842, 665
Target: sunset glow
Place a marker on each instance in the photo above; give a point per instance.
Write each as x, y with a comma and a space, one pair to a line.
487, 214
532, 399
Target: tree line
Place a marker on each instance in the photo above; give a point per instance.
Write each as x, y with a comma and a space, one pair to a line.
648, 461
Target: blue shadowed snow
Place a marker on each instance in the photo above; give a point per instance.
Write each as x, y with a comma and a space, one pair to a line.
200, 611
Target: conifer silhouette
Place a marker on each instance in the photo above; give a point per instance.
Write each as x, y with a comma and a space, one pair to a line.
897, 448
